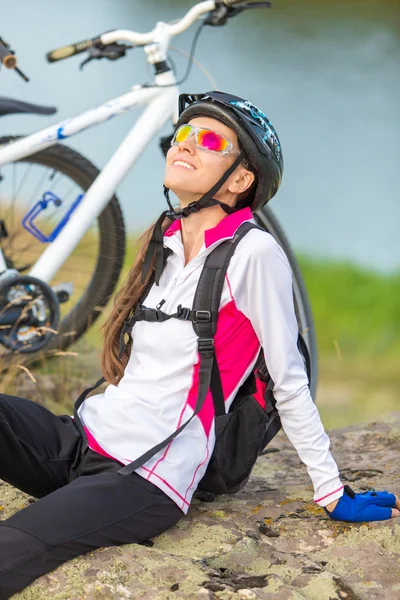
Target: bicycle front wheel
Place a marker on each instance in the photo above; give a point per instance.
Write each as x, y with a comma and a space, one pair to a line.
89, 275
266, 219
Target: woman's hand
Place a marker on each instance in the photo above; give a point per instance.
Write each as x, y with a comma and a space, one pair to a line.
368, 506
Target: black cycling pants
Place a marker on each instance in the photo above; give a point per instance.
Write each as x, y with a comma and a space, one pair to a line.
83, 502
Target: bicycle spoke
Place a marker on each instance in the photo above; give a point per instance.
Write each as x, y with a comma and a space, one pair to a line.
23, 180
35, 194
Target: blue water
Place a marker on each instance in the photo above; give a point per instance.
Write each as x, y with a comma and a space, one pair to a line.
327, 76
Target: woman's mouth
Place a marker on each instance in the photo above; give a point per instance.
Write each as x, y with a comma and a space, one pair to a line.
184, 164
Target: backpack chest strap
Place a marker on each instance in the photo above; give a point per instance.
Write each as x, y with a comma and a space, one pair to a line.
154, 315
142, 313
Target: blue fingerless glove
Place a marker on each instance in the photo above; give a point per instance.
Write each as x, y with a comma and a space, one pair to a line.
368, 506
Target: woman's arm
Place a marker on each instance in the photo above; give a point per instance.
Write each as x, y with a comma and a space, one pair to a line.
264, 294
261, 282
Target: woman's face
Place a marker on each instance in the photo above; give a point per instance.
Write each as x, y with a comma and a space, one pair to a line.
203, 168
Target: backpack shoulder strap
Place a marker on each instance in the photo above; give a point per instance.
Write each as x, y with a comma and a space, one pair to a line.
211, 282
207, 300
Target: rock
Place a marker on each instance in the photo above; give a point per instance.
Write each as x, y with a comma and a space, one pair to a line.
224, 550
246, 594
265, 530
203, 594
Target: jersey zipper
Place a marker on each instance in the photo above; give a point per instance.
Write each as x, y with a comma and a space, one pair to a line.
169, 290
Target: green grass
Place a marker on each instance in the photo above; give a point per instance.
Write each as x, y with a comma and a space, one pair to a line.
356, 312
357, 320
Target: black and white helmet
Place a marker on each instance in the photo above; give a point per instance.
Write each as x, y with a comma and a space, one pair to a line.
256, 136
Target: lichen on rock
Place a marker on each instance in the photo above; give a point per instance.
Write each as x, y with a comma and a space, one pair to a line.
270, 541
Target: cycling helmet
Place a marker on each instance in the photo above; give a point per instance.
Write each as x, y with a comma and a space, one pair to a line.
256, 135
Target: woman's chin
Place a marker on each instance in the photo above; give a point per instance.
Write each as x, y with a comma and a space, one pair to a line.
182, 179
181, 190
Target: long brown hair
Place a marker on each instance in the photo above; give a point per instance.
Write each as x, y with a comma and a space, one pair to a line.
125, 300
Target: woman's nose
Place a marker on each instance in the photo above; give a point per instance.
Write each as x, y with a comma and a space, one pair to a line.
188, 144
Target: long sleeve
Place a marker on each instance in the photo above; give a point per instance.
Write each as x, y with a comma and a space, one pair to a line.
263, 292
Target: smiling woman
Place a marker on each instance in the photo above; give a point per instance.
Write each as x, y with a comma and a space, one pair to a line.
139, 450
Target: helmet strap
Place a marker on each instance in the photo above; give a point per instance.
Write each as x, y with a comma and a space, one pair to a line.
155, 246
208, 200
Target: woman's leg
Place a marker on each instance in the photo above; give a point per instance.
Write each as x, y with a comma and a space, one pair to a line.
93, 511
38, 449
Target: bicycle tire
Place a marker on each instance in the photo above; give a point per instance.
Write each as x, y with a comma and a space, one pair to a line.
110, 256
267, 220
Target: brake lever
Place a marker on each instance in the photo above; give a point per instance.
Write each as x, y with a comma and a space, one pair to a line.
111, 51
221, 13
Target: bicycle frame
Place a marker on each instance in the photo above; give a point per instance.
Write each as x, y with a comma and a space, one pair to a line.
162, 103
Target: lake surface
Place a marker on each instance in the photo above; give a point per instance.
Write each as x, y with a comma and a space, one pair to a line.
326, 74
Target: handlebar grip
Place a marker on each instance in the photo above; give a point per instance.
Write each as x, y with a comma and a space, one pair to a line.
71, 50
8, 59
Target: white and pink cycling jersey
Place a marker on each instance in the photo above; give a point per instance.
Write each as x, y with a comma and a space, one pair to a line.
158, 391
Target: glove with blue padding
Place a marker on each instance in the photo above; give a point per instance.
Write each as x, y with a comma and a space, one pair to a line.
367, 506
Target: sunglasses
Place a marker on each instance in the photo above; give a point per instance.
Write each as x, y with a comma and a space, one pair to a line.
205, 139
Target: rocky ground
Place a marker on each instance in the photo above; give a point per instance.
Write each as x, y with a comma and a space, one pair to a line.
269, 541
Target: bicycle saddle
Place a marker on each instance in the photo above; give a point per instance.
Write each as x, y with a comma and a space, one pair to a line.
9, 106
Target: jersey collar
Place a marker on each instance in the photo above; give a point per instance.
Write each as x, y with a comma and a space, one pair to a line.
225, 229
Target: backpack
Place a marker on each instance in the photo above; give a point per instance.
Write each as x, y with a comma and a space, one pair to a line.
252, 421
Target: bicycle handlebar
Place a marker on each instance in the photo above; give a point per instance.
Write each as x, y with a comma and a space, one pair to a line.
140, 39
70, 50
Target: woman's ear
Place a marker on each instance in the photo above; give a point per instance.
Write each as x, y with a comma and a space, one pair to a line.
241, 181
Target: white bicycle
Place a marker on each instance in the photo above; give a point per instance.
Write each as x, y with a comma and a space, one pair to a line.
61, 226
